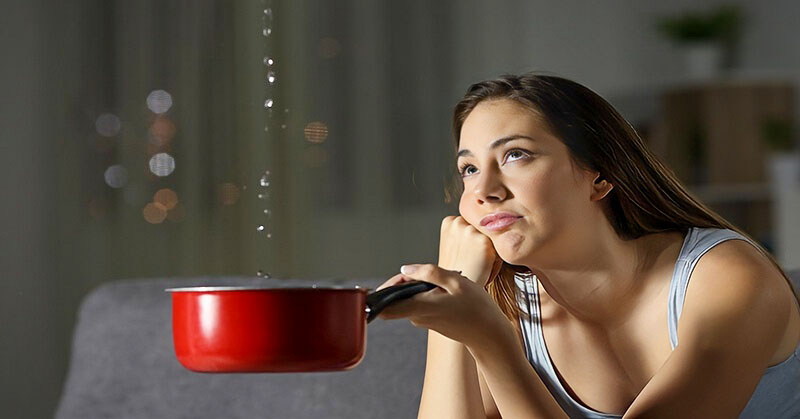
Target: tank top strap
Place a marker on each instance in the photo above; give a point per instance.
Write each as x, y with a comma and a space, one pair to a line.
697, 242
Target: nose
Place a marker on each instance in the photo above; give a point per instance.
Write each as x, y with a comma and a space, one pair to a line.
489, 187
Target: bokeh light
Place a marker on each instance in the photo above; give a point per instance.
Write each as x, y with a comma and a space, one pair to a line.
159, 101
107, 125
116, 176
97, 207
329, 47
162, 164
166, 197
316, 132
153, 213
161, 130
228, 194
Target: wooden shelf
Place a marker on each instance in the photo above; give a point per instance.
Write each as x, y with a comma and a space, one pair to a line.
711, 134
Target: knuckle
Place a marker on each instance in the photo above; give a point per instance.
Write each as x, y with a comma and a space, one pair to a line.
429, 268
447, 221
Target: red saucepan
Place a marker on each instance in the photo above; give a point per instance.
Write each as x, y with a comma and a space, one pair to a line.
247, 329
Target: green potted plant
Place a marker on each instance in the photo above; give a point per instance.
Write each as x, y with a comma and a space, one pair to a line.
783, 160
708, 38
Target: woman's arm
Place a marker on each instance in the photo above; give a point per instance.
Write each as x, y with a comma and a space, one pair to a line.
516, 388
489, 406
450, 389
461, 311
736, 311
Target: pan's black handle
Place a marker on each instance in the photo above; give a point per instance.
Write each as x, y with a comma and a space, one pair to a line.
379, 300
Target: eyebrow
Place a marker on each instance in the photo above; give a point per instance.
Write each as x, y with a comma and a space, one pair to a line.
495, 144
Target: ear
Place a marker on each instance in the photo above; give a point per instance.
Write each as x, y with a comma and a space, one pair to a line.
600, 188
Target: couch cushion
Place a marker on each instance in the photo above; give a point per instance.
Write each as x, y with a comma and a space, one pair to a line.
123, 366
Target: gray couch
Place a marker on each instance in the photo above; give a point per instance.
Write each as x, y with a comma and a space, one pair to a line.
123, 366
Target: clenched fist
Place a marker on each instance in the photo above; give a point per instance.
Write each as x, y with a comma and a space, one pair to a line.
463, 248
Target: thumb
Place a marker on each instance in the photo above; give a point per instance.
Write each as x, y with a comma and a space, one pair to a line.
397, 279
431, 273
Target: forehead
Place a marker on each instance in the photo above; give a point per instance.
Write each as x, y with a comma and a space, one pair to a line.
493, 119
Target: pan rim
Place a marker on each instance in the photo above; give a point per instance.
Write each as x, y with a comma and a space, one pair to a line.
265, 288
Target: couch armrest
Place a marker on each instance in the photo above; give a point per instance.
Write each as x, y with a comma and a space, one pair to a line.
123, 366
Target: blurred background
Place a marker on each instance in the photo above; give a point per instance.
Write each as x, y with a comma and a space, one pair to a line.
311, 139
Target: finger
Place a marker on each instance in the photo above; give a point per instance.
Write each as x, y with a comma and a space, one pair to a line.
442, 278
397, 279
400, 309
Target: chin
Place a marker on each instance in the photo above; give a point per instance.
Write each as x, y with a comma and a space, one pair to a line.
514, 249
510, 257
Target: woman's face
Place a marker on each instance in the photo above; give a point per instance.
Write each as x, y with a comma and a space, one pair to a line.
510, 163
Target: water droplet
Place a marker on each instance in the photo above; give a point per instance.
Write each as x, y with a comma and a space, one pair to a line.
283, 126
268, 61
260, 228
266, 31
268, 12
244, 187
264, 181
263, 195
271, 77
268, 103
269, 235
266, 128
286, 110
267, 212
260, 273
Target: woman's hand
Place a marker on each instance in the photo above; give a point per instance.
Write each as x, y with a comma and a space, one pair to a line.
465, 249
459, 308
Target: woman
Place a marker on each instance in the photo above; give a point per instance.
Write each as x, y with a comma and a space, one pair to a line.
586, 243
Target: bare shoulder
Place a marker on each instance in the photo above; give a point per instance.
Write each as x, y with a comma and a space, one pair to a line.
734, 280
738, 266
734, 318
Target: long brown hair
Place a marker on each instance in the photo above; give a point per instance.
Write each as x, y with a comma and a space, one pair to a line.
646, 198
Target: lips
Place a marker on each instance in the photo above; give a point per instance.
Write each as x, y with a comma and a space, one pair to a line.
499, 220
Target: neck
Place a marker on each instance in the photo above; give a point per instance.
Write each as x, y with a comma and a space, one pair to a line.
602, 278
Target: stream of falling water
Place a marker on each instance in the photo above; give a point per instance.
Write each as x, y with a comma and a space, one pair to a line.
264, 225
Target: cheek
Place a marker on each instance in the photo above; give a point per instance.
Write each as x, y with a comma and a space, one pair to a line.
549, 191
538, 190
466, 208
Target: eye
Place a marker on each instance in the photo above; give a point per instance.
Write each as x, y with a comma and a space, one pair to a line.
516, 154
464, 168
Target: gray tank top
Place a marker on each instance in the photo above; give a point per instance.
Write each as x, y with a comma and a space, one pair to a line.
777, 394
